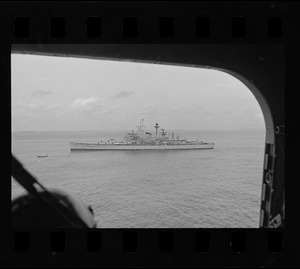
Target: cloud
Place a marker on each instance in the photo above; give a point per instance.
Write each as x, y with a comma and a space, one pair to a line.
91, 106
87, 104
184, 111
148, 109
111, 110
123, 94
41, 93
35, 108
144, 110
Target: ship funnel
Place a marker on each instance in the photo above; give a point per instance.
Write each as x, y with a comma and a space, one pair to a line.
156, 126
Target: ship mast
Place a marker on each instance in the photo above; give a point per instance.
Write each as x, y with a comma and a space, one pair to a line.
140, 132
142, 128
163, 133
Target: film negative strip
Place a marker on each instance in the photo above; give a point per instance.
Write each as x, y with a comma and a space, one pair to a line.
255, 43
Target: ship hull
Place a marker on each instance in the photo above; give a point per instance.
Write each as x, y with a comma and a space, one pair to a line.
102, 147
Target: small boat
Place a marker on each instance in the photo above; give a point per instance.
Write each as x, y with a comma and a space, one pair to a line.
42, 155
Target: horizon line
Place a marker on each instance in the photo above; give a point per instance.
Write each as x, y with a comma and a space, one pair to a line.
234, 129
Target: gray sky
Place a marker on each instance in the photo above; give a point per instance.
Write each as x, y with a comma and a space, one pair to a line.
66, 94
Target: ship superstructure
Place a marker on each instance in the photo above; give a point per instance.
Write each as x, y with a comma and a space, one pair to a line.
144, 140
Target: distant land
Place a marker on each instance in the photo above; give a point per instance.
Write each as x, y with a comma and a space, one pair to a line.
175, 130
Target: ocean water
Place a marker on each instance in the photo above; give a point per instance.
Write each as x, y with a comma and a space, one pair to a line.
217, 188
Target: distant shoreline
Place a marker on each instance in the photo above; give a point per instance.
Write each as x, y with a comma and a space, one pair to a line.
171, 130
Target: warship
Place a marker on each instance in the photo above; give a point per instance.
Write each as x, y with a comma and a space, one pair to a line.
143, 140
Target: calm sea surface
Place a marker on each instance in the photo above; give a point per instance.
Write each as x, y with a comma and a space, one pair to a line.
217, 188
